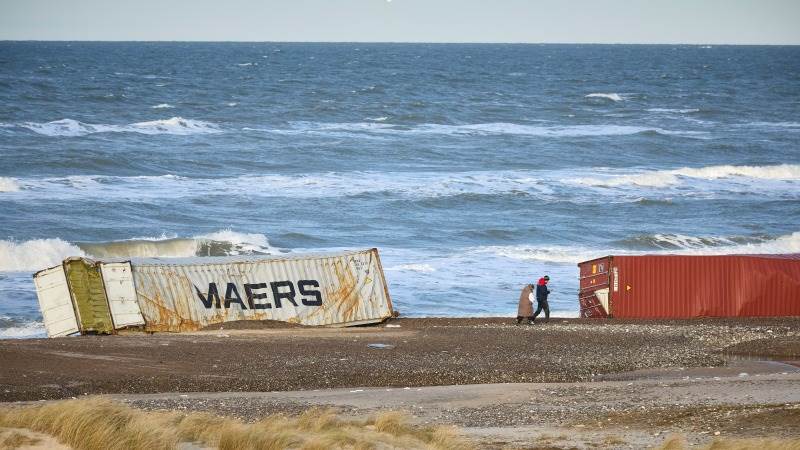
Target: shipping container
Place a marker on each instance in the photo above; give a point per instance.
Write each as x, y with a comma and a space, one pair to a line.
678, 286
186, 294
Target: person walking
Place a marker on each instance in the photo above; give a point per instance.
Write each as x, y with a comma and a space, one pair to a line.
525, 308
541, 299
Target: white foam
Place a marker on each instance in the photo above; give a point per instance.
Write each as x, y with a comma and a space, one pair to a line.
663, 178
162, 106
378, 119
611, 96
71, 128
242, 243
247, 64
35, 254
39, 254
776, 124
669, 244
776, 172
413, 268
677, 110
8, 185
27, 330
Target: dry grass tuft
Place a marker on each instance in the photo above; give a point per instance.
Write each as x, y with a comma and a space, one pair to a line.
674, 442
614, 441
11, 439
102, 424
755, 444
677, 442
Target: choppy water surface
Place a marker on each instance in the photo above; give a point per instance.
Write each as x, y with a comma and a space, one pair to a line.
474, 168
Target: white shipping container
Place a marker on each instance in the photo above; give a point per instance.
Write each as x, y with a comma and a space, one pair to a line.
338, 289
55, 302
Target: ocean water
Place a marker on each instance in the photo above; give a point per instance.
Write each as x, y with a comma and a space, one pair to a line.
473, 168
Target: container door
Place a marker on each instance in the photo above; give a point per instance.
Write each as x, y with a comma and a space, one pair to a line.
118, 281
55, 302
593, 295
89, 296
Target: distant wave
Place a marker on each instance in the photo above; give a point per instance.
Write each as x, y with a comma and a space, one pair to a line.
704, 245
8, 185
670, 241
38, 254
671, 110
70, 127
656, 244
162, 106
634, 185
662, 178
775, 124
610, 96
478, 129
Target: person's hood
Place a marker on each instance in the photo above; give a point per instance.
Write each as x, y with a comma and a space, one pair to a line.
542, 281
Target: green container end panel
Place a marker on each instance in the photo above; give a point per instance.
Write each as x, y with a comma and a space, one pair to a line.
89, 296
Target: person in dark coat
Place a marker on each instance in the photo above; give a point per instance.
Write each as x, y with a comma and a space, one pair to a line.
541, 299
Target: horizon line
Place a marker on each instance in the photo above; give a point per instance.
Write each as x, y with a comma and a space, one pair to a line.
401, 42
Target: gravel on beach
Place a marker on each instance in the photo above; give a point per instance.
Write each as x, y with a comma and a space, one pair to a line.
417, 352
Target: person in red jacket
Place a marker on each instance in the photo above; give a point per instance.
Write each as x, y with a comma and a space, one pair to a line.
541, 299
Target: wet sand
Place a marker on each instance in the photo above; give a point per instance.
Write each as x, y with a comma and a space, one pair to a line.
635, 374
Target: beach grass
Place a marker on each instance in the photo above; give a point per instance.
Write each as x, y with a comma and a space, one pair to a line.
679, 442
97, 423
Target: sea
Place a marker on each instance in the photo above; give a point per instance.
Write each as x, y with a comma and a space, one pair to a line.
473, 168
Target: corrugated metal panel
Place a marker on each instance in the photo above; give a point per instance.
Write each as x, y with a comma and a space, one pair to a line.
594, 285
672, 286
121, 294
88, 296
55, 302
331, 289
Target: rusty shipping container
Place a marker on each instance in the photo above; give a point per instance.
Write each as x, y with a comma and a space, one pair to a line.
186, 294
677, 286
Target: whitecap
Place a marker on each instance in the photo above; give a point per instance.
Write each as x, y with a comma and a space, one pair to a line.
413, 268
73, 128
675, 110
35, 254
163, 106
610, 96
663, 178
27, 330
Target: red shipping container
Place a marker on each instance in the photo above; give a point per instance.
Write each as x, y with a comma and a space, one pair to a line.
676, 286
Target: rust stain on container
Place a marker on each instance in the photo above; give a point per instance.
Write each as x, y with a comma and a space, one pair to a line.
677, 286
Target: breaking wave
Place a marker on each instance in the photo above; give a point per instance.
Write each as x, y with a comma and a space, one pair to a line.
38, 254
477, 129
35, 254
662, 178
611, 96
162, 106
15, 329
650, 244
73, 128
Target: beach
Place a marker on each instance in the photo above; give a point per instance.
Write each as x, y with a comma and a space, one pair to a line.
570, 382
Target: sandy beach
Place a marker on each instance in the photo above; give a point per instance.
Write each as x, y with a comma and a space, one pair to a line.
568, 383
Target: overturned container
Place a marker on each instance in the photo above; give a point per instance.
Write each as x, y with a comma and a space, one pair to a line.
677, 286
186, 294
